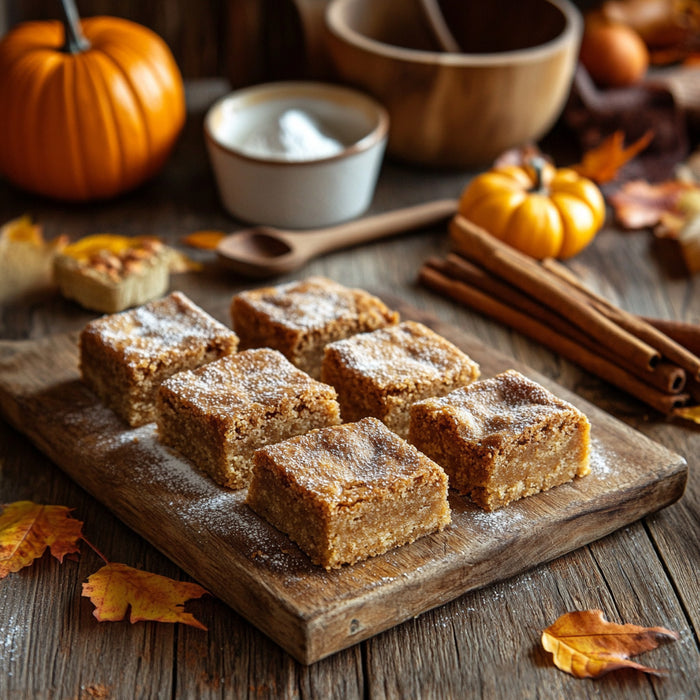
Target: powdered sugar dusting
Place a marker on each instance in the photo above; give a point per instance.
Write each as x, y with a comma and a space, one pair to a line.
309, 304
237, 387
11, 636
165, 324
345, 464
189, 496
407, 353
502, 520
508, 402
149, 462
226, 515
600, 459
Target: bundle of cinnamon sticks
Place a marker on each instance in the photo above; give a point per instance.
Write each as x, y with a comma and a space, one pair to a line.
656, 361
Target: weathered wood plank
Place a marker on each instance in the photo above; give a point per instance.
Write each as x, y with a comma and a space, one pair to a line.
50, 644
461, 649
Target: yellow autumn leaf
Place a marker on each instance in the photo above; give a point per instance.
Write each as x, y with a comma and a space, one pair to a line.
116, 588
27, 529
691, 413
26, 259
23, 230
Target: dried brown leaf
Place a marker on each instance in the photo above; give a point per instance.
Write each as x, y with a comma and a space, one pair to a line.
586, 645
640, 204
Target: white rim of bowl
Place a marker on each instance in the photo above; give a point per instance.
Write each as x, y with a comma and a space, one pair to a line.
293, 88
573, 26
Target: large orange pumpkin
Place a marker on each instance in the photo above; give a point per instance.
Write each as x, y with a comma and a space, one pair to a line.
90, 116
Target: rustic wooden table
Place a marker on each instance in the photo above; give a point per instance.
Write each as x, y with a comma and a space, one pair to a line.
484, 644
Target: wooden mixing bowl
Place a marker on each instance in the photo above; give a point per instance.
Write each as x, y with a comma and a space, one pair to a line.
507, 87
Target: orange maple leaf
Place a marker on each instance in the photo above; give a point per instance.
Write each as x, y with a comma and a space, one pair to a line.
116, 587
602, 163
27, 529
206, 240
586, 645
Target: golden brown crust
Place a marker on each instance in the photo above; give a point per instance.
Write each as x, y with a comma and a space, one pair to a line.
300, 318
124, 357
502, 438
219, 414
349, 492
381, 373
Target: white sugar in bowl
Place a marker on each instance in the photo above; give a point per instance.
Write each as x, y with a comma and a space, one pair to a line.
296, 154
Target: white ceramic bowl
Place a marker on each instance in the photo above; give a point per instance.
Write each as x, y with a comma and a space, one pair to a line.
303, 186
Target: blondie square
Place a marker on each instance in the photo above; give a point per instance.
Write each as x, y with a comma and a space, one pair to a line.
219, 414
110, 273
349, 492
382, 373
124, 357
503, 438
300, 318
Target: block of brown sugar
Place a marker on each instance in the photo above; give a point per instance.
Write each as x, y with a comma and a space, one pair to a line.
219, 414
124, 357
382, 373
503, 438
349, 492
300, 318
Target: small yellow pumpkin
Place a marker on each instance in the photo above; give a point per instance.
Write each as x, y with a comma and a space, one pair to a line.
88, 111
538, 209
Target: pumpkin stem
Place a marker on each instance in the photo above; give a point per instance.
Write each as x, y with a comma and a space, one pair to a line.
537, 164
75, 39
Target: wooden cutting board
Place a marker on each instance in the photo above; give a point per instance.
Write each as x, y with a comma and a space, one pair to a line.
213, 536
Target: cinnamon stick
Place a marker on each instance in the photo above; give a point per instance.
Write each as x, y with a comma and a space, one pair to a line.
562, 345
665, 376
684, 333
481, 247
666, 345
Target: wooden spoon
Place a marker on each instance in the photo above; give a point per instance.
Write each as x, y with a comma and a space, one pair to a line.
432, 12
265, 251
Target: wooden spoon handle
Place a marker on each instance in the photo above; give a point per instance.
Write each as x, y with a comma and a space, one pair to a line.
438, 25
373, 227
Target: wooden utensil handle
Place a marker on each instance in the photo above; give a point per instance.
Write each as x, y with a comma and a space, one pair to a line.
377, 226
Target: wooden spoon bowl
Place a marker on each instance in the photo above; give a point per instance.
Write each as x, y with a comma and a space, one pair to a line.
265, 251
